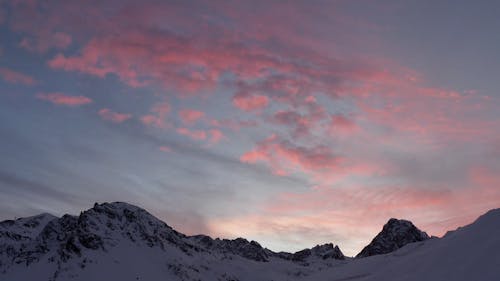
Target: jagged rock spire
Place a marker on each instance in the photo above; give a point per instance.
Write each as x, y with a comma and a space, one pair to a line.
395, 234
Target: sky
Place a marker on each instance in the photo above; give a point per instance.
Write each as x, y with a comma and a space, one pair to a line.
292, 123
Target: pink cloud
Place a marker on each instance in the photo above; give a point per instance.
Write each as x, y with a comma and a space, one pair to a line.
115, 117
215, 136
385, 96
191, 65
193, 134
304, 118
339, 120
12, 76
300, 124
60, 61
189, 116
322, 164
194, 65
342, 124
63, 99
250, 102
44, 42
173, 64
254, 156
150, 120
165, 148
157, 118
430, 115
234, 125
383, 199
284, 157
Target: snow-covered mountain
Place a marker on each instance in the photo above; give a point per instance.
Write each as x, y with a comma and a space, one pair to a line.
118, 241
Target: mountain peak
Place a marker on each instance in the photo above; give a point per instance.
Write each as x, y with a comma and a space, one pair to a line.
395, 234
25, 228
493, 214
325, 251
117, 205
118, 212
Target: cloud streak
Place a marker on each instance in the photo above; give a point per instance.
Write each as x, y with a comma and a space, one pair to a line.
190, 116
115, 117
63, 99
15, 77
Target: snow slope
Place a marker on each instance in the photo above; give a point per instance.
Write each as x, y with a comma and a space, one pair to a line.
469, 253
118, 241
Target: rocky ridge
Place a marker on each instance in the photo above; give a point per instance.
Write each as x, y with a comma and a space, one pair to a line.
101, 228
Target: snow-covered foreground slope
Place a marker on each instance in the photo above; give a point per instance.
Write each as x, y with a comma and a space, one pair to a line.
469, 253
118, 241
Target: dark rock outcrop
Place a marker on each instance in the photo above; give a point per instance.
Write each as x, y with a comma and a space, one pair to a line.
325, 251
395, 234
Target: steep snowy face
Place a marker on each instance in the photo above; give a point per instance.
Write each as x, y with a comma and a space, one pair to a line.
394, 235
100, 228
24, 228
15, 235
113, 222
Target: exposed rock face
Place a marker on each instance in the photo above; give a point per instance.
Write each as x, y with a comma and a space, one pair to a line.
239, 246
16, 238
254, 251
325, 251
395, 234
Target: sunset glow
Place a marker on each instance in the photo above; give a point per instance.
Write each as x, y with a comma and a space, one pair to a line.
292, 123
